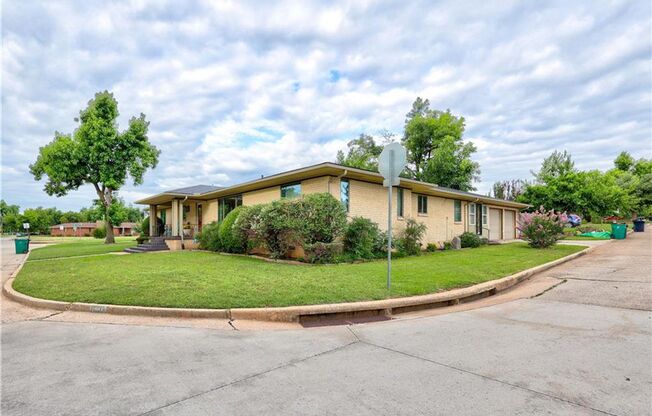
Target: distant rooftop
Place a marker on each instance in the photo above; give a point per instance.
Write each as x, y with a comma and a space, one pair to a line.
192, 190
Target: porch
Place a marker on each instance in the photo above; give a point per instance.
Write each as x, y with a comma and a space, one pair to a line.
177, 218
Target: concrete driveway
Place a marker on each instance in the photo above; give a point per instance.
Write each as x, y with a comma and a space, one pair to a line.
581, 348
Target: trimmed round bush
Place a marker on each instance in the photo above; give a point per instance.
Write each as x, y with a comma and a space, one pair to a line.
362, 238
470, 240
209, 238
99, 232
281, 227
247, 226
323, 217
231, 239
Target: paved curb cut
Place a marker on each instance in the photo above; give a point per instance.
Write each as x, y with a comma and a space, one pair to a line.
297, 313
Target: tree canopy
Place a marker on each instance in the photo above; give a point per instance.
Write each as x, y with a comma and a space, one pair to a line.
363, 153
625, 190
435, 149
97, 153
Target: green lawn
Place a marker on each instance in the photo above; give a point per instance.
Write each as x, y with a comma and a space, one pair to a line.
209, 280
84, 247
581, 238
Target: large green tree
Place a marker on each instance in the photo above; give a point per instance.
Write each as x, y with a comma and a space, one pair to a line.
436, 151
635, 176
557, 164
97, 153
362, 153
8, 217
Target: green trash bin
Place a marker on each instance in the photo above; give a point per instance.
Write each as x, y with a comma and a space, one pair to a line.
22, 245
619, 231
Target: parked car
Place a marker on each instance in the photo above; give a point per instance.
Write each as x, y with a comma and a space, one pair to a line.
574, 220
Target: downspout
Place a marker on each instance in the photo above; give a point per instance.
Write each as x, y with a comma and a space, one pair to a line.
337, 177
180, 219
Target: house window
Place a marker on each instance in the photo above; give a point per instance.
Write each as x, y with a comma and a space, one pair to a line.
458, 210
227, 204
345, 186
291, 190
399, 202
422, 204
471, 214
485, 216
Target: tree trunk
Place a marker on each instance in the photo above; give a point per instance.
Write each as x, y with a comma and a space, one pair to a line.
106, 197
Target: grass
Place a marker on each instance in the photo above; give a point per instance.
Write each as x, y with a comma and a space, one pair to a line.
48, 239
581, 238
209, 280
78, 247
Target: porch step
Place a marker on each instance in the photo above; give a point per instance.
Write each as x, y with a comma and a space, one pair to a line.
154, 245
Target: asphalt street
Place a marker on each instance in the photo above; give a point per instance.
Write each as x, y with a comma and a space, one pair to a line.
583, 347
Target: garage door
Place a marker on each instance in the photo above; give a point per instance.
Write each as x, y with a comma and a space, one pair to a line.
510, 225
495, 224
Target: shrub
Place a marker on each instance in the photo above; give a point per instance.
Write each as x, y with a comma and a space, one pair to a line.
209, 237
470, 240
448, 245
320, 252
362, 238
141, 239
99, 232
323, 217
542, 228
232, 240
409, 241
431, 247
247, 226
280, 227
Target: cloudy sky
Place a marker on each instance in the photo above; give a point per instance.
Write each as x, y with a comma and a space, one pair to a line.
235, 89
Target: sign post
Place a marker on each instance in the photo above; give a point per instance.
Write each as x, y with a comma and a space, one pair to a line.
26, 227
390, 164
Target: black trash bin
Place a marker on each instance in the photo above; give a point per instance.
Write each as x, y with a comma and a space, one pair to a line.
639, 225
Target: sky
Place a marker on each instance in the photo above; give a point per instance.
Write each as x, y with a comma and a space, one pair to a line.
235, 89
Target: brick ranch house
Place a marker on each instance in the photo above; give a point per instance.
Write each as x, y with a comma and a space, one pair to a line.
85, 229
446, 212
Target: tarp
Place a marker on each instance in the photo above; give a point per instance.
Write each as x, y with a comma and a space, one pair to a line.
597, 234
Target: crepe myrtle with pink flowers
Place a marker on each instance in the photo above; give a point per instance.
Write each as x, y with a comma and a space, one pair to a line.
542, 228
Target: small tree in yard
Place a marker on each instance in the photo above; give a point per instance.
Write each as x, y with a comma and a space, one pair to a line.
98, 154
542, 228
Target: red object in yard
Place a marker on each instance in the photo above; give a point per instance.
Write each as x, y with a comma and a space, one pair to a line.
612, 218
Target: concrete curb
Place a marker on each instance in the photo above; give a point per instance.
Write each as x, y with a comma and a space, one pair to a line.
305, 312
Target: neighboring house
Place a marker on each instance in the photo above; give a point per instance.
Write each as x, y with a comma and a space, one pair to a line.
73, 229
446, 212
85, 229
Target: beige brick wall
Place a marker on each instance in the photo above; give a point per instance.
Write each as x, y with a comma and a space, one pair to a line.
261, 196
439, 219
209, 211
315, 185
369, 200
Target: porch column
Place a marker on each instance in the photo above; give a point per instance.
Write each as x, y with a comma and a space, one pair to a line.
175, 217
152, 220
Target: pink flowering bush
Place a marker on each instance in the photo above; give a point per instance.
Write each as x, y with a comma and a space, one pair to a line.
542, 228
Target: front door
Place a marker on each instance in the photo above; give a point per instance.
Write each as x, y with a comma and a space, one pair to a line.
478, 219
198, 217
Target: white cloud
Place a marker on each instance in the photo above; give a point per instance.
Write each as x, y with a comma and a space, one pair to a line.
234, 90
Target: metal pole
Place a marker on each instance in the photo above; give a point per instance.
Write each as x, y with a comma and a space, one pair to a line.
389, 222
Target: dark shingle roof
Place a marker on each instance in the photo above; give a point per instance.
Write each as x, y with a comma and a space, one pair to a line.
192, 190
